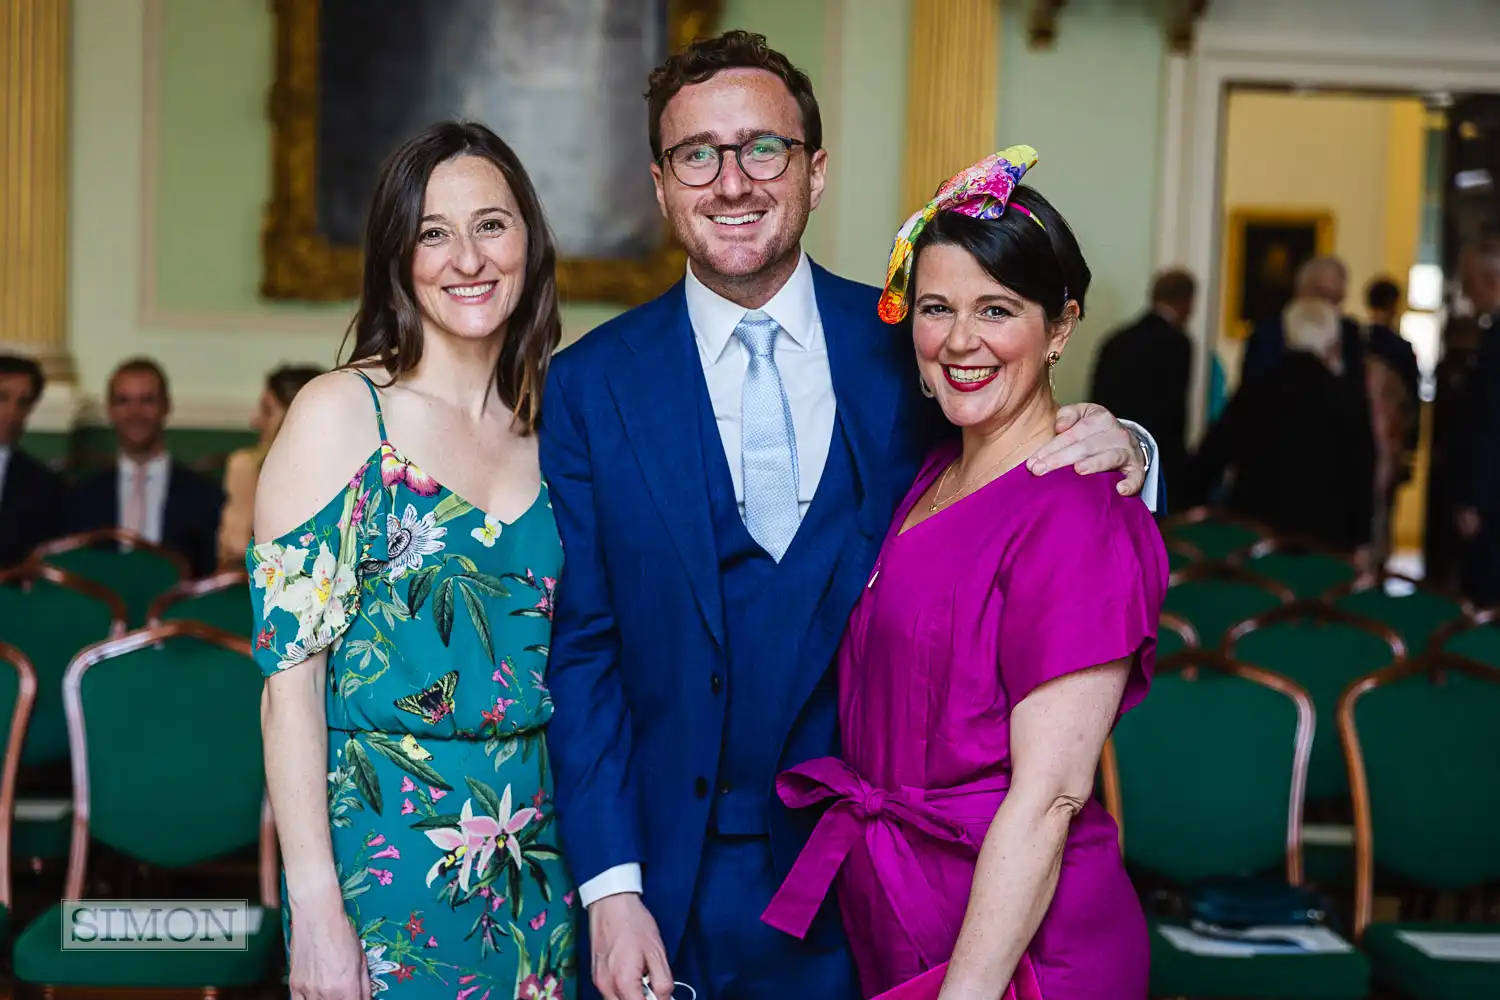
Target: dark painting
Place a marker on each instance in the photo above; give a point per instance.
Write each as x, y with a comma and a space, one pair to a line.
560, 80
1264, 252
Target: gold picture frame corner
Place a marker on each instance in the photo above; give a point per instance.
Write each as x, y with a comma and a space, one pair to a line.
298, 263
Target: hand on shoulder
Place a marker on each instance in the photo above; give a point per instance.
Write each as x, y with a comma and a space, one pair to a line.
329, 432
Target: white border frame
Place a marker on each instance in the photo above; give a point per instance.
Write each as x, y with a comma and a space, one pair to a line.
1194, 98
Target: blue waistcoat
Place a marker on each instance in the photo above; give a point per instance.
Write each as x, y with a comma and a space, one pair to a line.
768, 609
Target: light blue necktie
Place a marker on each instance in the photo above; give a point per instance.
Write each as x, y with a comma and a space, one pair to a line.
768, 442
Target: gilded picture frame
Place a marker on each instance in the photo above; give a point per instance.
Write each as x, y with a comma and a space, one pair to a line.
300, 263
1263, 247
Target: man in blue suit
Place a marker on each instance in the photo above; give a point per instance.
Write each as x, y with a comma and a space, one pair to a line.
724, 462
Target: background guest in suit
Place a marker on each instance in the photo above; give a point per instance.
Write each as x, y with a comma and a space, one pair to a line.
242, 470
1299, 439
145, 491
1143, 370
1325, 278
31, 494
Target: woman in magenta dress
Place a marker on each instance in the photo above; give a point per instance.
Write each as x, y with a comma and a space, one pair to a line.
1010, 620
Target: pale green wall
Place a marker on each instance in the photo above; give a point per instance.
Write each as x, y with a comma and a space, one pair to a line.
1090, 106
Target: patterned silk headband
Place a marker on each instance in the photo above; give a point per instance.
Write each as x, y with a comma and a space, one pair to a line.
981, 192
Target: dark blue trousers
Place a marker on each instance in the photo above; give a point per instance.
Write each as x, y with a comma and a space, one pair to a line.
729, 954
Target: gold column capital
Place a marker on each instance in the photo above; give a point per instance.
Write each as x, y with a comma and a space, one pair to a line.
34, 180
952, 93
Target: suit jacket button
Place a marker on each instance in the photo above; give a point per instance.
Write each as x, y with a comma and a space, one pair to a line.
700, 788
715, 683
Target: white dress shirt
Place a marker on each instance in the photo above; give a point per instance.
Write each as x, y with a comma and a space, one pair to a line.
157, 473
802, 359
4, 466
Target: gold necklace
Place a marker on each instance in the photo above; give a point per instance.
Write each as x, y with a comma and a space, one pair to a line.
964, 488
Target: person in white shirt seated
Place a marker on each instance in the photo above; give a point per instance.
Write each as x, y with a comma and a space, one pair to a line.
144, 491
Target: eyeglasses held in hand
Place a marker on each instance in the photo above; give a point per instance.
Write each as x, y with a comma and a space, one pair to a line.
763, 158
651, 995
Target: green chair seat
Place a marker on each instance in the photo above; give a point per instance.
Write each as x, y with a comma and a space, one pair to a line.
1212, 607
1414, 616
1402, 966
228, 609
1309, 575
39, 957
1481, 643
137, 576
1331, 976
1215, 539
45, 839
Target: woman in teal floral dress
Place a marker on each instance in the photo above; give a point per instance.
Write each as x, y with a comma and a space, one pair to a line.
407, 621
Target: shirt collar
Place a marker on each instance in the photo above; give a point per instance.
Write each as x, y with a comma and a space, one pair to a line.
794, 307
154, 466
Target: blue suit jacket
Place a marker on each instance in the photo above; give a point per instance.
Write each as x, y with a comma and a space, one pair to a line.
638, 628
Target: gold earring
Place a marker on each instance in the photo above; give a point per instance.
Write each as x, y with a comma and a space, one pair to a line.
1052, 360
926, 389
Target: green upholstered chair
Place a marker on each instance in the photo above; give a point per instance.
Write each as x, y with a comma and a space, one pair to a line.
1208, 776
1477, 638
127, 564
1414, 610
1215, 533
49, 615
17, 696
1308, 570
1423, 761
221, 600
1174, 634
1214, 597
1324, 650
1181, 555
167, 773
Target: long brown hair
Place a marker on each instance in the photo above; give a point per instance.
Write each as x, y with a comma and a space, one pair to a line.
388, 325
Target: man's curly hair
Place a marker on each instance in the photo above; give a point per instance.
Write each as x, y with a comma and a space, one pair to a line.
735, 49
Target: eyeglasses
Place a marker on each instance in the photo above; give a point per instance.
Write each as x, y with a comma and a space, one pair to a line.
763, 158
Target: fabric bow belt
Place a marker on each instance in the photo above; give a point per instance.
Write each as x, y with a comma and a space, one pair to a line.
885, 818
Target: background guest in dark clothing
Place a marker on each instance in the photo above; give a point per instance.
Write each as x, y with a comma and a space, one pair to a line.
1476, 484
31, 494
1382, 340
1323, 278
1143, 370
1297, 439
145, 491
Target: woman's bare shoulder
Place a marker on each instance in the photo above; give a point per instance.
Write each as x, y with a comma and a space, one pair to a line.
330, 430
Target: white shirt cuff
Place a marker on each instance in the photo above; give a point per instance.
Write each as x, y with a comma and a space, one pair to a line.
1148, 489
611, 882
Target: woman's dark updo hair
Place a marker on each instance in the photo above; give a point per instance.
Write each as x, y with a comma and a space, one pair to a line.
1044, 266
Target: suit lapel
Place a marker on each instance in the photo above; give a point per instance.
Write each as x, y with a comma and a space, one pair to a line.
656, 392
865, 376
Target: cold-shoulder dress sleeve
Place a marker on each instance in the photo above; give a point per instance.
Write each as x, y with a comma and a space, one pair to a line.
304, 586
1083, 586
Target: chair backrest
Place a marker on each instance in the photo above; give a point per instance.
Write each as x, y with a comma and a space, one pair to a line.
1181, 555
1324, 650
141, 709
1307, 569
1173, 635
1423, 767
1476, 638
17, 696
124, 562
1210, 771
1214, 597
1414, 610
49, 615
1216, 534
221, 600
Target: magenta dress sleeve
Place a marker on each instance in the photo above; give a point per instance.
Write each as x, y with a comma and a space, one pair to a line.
1083, 587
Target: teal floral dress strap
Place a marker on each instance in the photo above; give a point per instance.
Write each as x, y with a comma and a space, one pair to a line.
375, 397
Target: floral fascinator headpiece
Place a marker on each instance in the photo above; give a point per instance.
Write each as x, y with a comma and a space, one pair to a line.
981, 191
